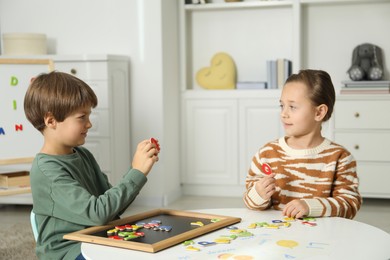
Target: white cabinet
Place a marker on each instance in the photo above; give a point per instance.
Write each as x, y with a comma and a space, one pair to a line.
259, 123
109, 137
362, 125
221, 133
211, 148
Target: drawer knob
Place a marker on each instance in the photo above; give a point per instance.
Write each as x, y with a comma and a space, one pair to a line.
357, 114
356, 147
73, 71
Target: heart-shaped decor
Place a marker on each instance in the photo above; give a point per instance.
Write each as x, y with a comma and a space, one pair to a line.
220, 75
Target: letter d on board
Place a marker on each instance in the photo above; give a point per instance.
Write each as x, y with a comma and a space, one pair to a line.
14, 81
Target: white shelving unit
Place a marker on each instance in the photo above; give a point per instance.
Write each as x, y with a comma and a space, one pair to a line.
312, 33
318, 34
237, 28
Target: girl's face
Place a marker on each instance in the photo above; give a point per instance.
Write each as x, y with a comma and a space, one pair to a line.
298, 114
73, 130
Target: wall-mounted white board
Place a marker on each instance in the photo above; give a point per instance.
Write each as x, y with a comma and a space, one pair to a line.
19, 140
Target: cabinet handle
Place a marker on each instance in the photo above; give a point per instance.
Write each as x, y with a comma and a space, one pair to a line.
357, 114
356, 147
73, 71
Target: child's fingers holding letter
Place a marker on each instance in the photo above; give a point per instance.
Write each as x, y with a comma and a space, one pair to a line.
145, 156
265, 187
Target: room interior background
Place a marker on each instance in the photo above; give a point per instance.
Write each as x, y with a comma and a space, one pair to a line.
148, 32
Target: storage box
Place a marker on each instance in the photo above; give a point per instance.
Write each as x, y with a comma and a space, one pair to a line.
15, 179
24, 44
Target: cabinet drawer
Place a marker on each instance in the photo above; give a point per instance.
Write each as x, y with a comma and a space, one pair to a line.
83, 70
374, 179
362, 114
365, 146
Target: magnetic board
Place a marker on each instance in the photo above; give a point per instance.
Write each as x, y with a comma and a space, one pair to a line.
19, 140
154, 241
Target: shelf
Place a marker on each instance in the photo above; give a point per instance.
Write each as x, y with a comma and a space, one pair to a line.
257, 30
237, 5
24, 199
14, 190
230, 94
267, 4
341, 1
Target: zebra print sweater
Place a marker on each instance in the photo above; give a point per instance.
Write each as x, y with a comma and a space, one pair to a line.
324, 177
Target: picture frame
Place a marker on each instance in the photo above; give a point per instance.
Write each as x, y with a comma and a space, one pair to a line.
154, 241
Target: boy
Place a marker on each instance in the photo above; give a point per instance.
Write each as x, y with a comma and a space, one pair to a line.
69, 190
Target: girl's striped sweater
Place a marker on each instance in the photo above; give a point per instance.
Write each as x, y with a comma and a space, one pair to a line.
324, 177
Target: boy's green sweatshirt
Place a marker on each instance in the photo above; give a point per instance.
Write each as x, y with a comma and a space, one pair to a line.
71, 193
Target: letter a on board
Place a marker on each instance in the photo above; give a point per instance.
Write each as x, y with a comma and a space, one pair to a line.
14, 81
2, 131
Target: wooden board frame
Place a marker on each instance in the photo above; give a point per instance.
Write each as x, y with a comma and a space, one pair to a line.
87, 235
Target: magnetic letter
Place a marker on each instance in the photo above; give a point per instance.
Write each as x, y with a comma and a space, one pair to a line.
14, 81
18, 127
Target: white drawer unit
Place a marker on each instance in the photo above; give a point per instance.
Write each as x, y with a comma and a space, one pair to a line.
362, 114
362, 125
79, 67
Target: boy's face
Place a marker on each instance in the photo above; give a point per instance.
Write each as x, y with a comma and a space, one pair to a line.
298, 114
73, 130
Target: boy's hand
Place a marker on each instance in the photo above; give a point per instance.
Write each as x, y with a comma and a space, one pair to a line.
265, 187
145, 156
296, 209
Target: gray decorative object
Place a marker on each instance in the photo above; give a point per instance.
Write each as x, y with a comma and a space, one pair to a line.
367, 63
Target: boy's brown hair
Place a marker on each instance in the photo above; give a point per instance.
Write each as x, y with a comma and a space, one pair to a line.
57, 93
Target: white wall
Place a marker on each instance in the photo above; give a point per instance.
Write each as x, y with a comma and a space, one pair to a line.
332, 31
131, 28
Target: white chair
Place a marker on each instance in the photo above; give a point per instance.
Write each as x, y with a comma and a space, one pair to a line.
34, 225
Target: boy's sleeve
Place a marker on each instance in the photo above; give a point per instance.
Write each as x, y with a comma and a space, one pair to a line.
74, 203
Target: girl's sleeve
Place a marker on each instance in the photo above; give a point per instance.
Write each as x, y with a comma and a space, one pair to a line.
345, 200
251, 198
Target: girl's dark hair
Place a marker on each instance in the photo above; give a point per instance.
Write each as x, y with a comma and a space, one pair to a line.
57, 93
320, 88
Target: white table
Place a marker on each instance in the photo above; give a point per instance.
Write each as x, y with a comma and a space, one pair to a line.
331, 238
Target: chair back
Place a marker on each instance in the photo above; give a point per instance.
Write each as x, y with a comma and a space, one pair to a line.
34, 225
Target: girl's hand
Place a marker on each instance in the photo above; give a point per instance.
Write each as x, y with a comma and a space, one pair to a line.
145, 156
265, 187
296, 209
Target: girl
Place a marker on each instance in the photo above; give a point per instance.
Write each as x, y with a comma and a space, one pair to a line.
303, 173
